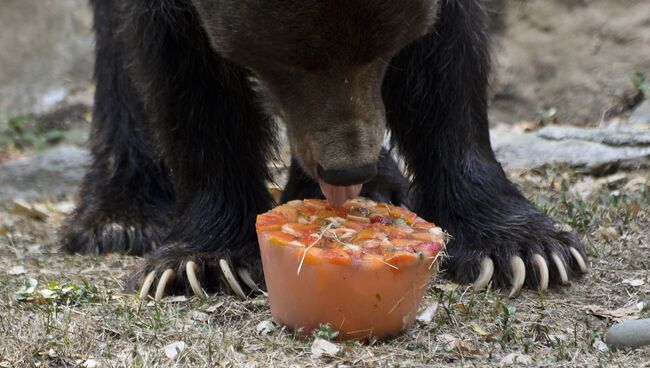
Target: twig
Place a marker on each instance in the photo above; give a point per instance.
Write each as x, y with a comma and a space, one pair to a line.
320, 236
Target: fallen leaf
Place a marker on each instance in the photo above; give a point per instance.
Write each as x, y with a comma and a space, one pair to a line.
35, 211
607, 233
17, 270
445, 338
174, 349
48, 294
459, 307
633, 209
621, 314
556, 338
199, 316
457, 345
175, 299
322, 347
634, 282
276, 193
27, 289
636, 184
615, 179
528, 126
515, 359
426, 316
213, 308
479, 330
446, 287
265, 327
585, 188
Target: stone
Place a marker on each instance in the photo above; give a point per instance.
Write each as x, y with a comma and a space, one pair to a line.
612, 136
47, 54
48, 175
581, 149
629, 334
641, 115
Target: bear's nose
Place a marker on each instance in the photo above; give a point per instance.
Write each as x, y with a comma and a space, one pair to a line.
348, 176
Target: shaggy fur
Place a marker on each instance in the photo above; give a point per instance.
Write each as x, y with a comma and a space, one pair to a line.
180, 138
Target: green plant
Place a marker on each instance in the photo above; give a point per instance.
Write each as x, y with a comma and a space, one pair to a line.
641, 83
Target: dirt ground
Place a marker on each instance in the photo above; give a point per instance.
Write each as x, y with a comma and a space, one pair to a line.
569, 60
576, 58
77, 316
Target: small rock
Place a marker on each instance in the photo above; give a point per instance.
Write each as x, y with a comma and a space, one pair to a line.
641, 115
322, 347
173, 350
629, 334
515, 359
50, 174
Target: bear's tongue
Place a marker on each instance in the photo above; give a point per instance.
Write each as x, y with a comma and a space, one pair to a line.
336, 196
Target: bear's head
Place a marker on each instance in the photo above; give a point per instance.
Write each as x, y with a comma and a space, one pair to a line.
319, 65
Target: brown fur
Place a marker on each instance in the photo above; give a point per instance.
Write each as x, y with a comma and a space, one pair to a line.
320, 67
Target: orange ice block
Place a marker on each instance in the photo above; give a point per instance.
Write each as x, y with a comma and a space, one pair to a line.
362, 268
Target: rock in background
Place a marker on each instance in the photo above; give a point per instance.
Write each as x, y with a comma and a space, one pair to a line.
595, 151
53, 174
47, 54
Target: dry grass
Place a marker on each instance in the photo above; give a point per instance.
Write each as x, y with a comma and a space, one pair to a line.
92, 322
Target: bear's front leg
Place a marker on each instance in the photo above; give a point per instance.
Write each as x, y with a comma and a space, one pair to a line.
436, 103
213, 137
497, 235
211, 248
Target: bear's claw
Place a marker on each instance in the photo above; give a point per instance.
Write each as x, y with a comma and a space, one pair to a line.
519, 271
542, 271
518, 275
485, 276
191, 269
